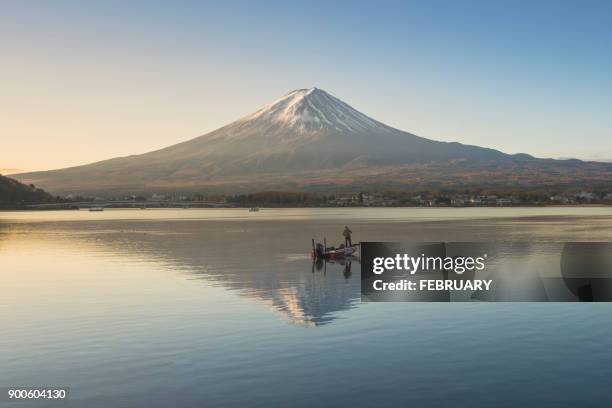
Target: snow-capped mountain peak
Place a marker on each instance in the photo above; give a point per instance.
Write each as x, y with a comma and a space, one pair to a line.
313, 109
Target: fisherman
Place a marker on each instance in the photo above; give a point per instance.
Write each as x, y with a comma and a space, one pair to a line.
347, 236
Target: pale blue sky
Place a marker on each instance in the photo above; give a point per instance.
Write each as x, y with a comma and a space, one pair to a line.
84, 81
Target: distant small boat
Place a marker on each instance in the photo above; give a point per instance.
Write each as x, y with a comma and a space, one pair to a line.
96, 209
254, 209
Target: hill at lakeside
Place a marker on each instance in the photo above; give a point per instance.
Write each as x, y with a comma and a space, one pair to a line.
309, 140
13, 193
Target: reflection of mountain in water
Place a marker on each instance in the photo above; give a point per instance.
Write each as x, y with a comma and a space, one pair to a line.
314, 301
260, 260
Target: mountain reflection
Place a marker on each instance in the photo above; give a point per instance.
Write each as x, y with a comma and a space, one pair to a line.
265, 261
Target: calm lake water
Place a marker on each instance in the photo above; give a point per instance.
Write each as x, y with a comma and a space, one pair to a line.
223, 308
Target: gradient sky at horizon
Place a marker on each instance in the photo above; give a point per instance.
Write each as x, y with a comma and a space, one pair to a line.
85, 81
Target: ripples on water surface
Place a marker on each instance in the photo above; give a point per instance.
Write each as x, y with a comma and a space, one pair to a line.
223, 307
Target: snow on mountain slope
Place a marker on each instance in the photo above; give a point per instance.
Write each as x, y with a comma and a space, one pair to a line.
314, 109
309, 129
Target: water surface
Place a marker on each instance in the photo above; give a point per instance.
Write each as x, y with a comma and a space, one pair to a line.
222, 307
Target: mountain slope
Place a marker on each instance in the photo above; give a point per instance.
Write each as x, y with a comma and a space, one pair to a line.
306, 135
14, 193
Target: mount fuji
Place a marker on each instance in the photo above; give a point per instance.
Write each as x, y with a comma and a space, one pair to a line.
311, 140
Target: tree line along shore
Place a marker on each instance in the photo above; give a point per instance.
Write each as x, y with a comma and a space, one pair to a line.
16, 195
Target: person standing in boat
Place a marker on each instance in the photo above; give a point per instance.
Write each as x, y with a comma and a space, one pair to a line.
347, 236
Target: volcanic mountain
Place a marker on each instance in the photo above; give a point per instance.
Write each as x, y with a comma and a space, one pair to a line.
311, 140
